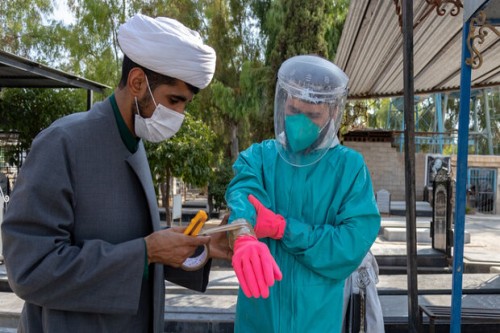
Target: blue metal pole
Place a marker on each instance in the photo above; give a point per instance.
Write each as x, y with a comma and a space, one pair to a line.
462, 155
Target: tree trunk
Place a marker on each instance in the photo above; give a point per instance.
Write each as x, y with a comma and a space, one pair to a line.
234, 142
166, 198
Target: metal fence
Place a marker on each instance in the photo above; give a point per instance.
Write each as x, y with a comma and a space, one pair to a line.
482, 189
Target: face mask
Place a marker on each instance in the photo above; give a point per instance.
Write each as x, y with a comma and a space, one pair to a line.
162, 125
301, 132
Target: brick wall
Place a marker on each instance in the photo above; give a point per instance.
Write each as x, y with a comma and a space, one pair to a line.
387, 168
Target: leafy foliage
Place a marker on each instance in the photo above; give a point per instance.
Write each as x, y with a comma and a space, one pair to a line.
21, 27
217, 186
231, 104
294, 27
25, 112
187, 155
251, 39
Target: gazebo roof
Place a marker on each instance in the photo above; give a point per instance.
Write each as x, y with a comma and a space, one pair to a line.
18, 72
371, 49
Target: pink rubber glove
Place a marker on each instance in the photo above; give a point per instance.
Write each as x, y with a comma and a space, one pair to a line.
254, 266
268, 223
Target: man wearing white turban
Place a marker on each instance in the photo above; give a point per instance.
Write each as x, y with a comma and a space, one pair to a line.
82, 239
171, 48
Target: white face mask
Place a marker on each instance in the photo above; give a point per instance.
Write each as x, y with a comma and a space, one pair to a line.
162, 125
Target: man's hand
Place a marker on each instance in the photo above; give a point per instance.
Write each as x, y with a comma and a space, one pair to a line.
219, 245
171, 247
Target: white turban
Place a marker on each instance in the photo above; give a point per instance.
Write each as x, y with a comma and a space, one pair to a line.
167, 47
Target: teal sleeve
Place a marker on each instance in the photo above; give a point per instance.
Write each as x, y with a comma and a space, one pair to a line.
247, 180
335, 250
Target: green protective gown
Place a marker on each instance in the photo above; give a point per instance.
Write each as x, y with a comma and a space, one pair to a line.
332, 221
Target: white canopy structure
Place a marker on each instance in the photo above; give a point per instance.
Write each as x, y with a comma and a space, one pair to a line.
371, 48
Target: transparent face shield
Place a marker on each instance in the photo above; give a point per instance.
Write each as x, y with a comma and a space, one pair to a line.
307, 115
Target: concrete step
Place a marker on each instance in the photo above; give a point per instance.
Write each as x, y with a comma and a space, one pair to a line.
397, 270
393, 234
436, 259
398, 234
495, 269
422, 208
482, 267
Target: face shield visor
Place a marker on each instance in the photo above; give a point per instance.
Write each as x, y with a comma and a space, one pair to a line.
308, 108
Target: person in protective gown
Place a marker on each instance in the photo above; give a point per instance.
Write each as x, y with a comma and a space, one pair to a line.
305, 206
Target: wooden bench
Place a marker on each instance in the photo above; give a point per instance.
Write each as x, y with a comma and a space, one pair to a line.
442, 315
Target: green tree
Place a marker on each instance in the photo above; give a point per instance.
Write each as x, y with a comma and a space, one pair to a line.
87, 47
336, 14
25, 112
481, 125
220, 178
235, 92
251, 39
26, 30
293, 27
234, 95
22, 27
187, 156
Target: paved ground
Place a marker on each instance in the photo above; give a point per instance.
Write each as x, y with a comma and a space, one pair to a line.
188, 311
483, 229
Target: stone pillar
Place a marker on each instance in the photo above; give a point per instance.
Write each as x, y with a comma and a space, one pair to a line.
383, 201
441, 213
